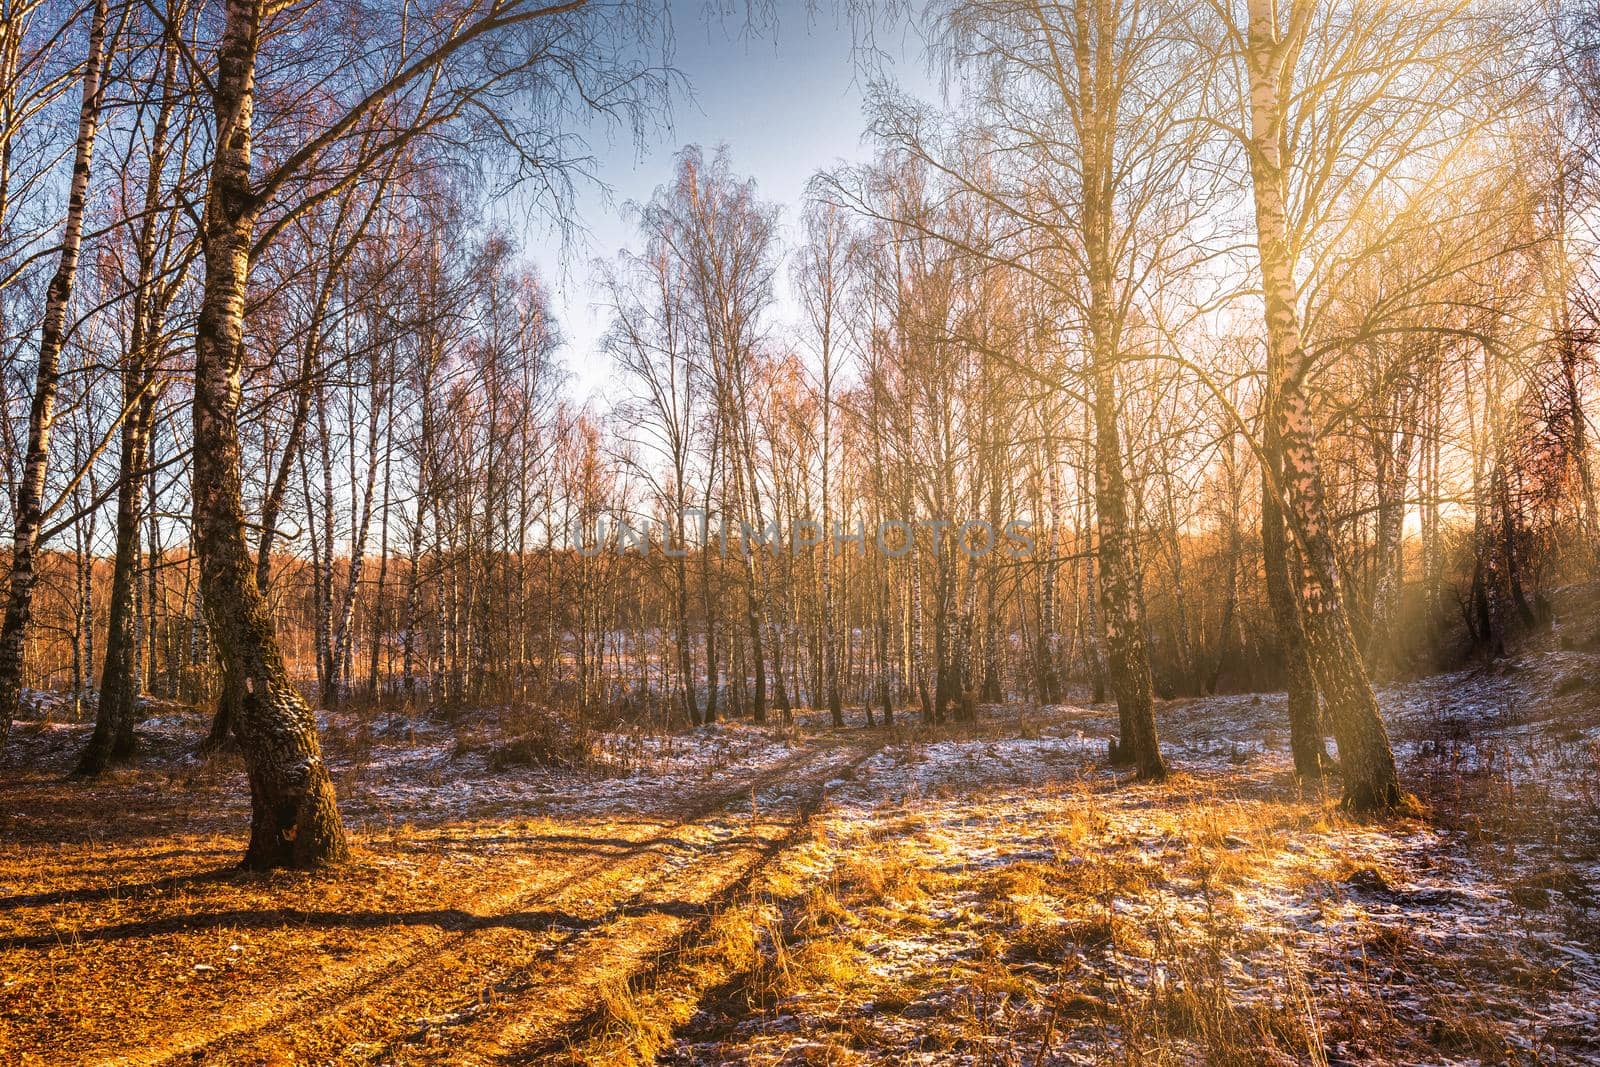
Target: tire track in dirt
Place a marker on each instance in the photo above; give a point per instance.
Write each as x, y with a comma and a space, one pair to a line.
548, 1000
357, 987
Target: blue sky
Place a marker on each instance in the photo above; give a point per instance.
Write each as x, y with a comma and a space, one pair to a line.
786, 103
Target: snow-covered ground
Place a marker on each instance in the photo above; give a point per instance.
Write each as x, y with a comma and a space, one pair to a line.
1008, 898
432, 778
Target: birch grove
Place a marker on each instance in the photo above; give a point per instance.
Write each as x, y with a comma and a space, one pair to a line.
1181, 347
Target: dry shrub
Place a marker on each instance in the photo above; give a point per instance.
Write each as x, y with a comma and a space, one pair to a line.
541, 737
1537, 889
833, 1051
1576, 682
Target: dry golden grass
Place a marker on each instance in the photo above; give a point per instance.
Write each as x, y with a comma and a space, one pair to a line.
1124, 943
128, 937
1079, 916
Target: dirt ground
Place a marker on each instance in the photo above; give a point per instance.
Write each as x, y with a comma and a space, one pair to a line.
985, 895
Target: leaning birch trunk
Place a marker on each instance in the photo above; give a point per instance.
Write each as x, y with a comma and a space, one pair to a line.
227, 700
28, 511
1370, 781
112, 740
294, 817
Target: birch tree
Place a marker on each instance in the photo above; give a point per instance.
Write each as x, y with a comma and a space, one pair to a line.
1363, 61
30, 505
432, 75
